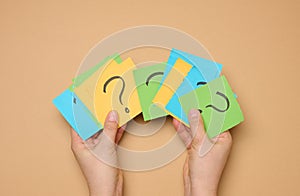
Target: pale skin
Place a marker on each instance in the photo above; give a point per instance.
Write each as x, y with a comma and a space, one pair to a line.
202, 172
101, 178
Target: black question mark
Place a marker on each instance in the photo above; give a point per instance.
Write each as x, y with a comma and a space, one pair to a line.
217, 109
212, 106
152, 75
122, 90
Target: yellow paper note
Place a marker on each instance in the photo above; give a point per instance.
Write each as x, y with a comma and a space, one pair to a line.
116, 90
172, 82
111, 88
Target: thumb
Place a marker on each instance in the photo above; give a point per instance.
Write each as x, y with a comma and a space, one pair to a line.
105, 148
111, 125
197, 128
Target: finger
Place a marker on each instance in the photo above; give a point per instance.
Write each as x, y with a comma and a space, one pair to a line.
76, 141
120, 133
111, 125
96, 135
196, 126
176, 123
93, 140
183, 133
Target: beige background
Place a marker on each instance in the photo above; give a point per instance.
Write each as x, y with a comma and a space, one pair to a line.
42, 44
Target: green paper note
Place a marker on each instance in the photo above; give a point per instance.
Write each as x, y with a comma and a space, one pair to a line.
83, 76
147, 80
220, 109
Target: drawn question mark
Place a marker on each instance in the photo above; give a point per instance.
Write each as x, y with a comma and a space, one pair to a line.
212, 106
122, 90
153, 75
227, 103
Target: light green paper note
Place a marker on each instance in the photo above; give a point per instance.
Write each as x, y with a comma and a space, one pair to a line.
77, 81
147, 81
219, 107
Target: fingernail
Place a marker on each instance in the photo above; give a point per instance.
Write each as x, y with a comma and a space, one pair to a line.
194, 114
113, 116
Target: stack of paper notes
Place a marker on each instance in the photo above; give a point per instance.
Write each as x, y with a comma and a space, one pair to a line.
183, 82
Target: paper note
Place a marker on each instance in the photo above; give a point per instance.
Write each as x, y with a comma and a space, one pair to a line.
76, 114
83, 76
147, 81
203, 71
112, 87
189, 58
172, 82
218, 106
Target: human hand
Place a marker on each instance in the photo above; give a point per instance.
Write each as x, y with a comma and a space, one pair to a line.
102, 179
206, 158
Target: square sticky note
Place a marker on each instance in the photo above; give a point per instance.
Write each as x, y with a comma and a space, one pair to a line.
219, 107
147, 81
111, 87
76, 114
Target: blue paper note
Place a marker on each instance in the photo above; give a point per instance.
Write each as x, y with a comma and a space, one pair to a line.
203, 71
77, 115
209, 69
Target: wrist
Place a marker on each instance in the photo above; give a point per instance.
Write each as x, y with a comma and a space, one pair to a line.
101, 191
199, 190
203, 192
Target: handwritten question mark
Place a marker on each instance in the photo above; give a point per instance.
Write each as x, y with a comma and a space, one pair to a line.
212, 106
121, 92
227, 103
152, 75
